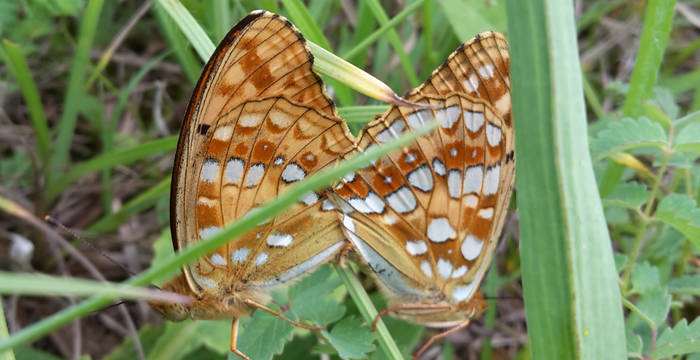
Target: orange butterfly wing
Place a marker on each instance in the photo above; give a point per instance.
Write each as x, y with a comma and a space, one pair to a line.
427, 219
259, 121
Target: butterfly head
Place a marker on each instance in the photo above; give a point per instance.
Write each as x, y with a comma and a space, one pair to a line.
221, 304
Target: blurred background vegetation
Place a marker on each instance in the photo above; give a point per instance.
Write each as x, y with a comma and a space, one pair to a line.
92, 94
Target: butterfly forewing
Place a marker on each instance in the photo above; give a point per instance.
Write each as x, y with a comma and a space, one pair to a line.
427, 219
259, 121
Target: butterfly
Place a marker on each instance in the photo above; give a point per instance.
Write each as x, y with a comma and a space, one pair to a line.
258, 122
427, 219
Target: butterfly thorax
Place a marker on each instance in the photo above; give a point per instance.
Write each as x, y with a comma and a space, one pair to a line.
206, 304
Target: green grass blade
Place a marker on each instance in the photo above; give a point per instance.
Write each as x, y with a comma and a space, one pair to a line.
9, 354
570, 285
658, 19
231, 231
305, 22
105, 161
17, 65
389, 25
12, 283
189, 27
191, 66
395, 41
74, 92
134, 206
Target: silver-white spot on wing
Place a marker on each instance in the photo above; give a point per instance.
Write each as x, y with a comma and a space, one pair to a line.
473, 120
444, 268
210, 170
454, 180
448, 117
471, 247
421, 178
217, 259
459, 272
491, 179
402, 200
416, 248
439, 167
260, 259
278, 240
239, 255
426, 268
493, 134
461, 293
472, 179
255, 173
419, 118
234, 170
392, 132
440, 230
293, 172
208, 232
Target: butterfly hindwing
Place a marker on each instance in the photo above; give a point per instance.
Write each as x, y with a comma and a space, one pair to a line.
258, 122
427, 219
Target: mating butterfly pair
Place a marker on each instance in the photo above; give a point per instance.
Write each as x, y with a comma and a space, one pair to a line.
426, 220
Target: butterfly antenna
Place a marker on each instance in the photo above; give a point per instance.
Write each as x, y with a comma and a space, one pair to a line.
52, 221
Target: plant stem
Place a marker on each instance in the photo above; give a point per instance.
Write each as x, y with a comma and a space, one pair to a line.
644, 220
369, 313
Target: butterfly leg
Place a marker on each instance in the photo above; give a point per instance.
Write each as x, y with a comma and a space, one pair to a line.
439, 336
252, 303
407, 307
234, 336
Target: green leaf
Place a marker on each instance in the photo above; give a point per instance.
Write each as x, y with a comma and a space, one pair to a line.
682, 339
689, 284
627, 134
573, 298
630, 195
183, 337
645, 277
655, 305
634, 344
681, 213
311, 298
351, 338
263, 336
688, 139
620, 261
466, 21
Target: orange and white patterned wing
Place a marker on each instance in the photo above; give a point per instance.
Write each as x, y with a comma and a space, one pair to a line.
427, 219
259, 121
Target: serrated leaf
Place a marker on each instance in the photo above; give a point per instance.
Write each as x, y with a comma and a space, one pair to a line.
627, 134
682, 339
629, 195
322, 311
645, 277
263, 336
351, 338
311, 298
655, 305
685, 285
634, 344
688, 139
680, 212
319, 283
